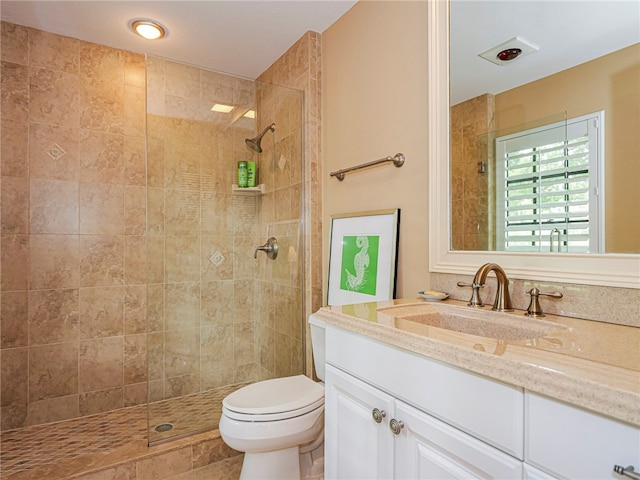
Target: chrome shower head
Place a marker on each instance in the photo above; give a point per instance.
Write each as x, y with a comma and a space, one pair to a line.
254, 143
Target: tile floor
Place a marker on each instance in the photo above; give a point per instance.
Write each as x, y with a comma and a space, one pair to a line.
112, 433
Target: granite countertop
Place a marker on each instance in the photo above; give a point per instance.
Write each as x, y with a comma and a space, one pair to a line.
591, 364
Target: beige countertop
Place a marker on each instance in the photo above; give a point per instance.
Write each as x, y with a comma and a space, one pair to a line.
594, 365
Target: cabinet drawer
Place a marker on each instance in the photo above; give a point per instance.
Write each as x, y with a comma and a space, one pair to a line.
569, 442
487, 409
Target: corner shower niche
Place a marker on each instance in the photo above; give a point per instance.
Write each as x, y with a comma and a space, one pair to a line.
251, 191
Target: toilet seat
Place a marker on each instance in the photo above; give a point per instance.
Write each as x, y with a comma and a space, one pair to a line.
275, 399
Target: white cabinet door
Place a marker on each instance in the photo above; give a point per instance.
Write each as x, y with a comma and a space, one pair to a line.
427, 448
570, 442
356, 446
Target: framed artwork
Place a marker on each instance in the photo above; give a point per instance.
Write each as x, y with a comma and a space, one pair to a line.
363, 257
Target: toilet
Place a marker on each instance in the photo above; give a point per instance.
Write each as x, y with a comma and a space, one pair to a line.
279, 423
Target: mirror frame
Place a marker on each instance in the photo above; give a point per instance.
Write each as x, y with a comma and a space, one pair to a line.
612, 269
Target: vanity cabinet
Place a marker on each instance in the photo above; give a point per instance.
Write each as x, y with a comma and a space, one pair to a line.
390, 413
398, 440
448, 423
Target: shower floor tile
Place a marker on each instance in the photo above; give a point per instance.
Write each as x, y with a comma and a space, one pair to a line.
107, 438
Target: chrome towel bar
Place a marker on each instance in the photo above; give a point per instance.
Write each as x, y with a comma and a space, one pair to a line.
397, 159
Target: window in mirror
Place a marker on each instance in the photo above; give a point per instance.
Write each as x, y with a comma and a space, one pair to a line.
548, 186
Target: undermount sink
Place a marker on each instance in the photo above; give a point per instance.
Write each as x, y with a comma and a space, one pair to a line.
483, 323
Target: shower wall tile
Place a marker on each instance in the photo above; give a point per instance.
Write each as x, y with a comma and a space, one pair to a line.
102, 105
54, 152
182, 306
53, 316
182, 257
134, 108
14, 43
14, 319
15, 92
217, 302
135, 210
217, 258
13, 377
182, 385
136, 394
182, 212
53, 410
14, 255
135, 260
101, 401
101, 209
14, 148
101, 260
54, 52
135, 358
53, 206
217, 213
210, 379
54, 261
100, 364
101, 312
155, 307
134, 158
135, 309
101, 157
182, 352
53, 371
217, 350
155, 211
53, 97
15, 205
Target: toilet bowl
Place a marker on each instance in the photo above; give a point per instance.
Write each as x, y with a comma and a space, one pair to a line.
279, 423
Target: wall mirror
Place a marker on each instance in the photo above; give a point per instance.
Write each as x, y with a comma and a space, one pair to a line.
615, 269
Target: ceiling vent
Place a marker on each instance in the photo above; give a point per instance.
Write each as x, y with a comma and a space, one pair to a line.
509, 51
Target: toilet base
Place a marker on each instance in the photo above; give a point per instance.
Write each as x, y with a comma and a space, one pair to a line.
276, 465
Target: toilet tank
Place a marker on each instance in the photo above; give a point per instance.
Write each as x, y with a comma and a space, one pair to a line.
317, 344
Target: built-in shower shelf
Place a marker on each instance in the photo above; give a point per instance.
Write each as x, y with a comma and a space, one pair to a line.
251, 191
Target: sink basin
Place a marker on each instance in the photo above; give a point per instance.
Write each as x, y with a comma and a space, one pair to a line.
483, 323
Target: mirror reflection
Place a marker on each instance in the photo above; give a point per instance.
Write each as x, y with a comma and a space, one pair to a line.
544, 145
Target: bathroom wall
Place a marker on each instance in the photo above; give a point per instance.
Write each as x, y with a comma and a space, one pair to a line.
470, 188
73, 212
374, 103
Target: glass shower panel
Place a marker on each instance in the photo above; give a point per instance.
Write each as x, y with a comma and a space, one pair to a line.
218, 318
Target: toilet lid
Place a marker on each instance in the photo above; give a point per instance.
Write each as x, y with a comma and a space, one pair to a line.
279, 395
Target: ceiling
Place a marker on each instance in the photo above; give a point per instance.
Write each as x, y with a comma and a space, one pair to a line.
244, 37
239, 37
567, 32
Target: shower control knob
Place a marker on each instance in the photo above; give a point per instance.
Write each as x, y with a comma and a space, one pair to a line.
396, 426
378, 415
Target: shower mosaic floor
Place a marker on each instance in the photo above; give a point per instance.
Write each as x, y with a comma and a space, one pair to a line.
117, 431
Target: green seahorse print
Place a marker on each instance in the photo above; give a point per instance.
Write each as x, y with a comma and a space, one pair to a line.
359, 264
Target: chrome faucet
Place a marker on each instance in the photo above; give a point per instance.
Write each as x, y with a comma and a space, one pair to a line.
502, 302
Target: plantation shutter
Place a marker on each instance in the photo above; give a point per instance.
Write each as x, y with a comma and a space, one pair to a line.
548, 188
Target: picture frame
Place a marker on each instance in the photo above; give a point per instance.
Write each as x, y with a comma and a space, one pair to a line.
363, 257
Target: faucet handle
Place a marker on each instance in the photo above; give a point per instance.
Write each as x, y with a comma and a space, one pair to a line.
534, 309
475, 300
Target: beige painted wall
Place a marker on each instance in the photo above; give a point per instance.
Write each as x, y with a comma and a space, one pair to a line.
610, 83
374, 100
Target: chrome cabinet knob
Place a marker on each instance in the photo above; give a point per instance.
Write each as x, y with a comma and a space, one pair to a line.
378, 415
396, 426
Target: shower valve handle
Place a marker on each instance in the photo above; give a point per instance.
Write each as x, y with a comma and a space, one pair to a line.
270, 248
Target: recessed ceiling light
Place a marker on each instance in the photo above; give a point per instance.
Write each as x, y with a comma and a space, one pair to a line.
222, 108
250, 114
149, 29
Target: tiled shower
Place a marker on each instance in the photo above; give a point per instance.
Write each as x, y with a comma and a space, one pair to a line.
127, 262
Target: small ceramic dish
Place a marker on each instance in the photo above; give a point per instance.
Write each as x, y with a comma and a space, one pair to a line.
433, 295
